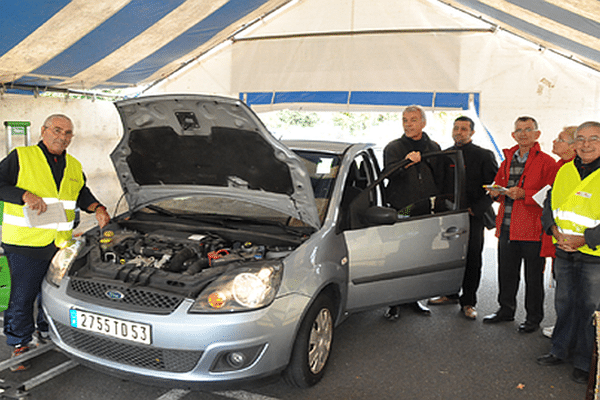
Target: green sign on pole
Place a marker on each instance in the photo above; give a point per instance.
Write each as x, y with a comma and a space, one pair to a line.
4, 284
4, 273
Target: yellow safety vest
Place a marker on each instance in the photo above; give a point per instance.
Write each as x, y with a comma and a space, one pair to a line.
36, 177
576, 203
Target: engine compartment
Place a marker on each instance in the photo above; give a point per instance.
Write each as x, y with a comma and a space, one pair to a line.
176, 261
170, 251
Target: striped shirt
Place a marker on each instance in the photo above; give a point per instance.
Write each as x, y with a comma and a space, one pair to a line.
517, 165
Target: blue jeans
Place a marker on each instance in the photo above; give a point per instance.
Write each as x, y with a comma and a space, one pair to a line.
576, 298
26, 275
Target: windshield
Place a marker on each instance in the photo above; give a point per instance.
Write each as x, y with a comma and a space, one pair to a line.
203, 205
323, 169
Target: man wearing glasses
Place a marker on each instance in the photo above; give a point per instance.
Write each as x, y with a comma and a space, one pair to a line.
524, 172
571, 215
32, 179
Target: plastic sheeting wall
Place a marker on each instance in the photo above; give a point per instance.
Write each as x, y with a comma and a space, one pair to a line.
383, 46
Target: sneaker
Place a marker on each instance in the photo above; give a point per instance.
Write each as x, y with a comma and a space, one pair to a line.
469, 312
19, 350
392, 313
438, 301
548, 331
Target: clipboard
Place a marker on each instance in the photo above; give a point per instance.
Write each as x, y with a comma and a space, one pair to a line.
54, 214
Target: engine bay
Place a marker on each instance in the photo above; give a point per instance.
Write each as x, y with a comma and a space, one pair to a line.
175, 261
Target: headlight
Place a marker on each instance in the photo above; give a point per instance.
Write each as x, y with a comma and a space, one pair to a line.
62, 261
241, 289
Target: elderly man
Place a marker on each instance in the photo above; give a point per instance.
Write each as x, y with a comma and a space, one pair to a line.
409, 191
524, 172
571, 215
33, 178
481, 168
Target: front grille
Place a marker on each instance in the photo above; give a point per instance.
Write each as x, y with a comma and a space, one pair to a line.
135, 355
134, 298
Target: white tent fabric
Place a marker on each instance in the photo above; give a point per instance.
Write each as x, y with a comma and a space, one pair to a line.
317, 49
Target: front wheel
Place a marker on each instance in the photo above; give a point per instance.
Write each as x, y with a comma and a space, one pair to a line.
312, 346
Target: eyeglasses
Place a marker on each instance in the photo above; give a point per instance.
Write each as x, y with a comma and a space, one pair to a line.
559, 140
591, 140
59, 131
526, 130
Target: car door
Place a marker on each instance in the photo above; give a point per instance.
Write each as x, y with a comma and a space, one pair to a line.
404, 257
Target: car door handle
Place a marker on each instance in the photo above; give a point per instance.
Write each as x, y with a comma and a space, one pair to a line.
453, 233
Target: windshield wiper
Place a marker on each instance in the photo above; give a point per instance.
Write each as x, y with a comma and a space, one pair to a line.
161, 210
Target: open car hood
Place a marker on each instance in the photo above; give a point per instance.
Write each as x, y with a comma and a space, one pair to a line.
185, 145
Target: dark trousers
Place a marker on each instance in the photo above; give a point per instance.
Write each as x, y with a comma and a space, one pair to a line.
473, 269
26, 275
511, 253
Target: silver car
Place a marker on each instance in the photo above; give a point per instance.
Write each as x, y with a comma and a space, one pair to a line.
239, 253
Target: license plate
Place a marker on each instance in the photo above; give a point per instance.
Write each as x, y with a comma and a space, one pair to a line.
109, 326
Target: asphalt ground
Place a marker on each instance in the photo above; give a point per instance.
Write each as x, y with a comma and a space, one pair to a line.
443, 356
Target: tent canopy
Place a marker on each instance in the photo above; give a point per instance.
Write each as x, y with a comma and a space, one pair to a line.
85, 45
501, 58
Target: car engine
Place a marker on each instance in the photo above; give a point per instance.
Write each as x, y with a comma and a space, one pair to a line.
173, 261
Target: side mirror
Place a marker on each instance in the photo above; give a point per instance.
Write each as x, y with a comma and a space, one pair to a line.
381, 216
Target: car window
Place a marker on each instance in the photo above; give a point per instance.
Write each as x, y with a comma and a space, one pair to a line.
404, 191
323, 169
361, 174
424, 188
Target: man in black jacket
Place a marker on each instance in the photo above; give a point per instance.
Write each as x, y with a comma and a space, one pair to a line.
409, 191
481, 168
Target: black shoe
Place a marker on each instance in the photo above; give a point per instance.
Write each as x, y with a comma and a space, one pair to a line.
580, 376
528, 327
549, 360
497, 317
419, 309
392, 313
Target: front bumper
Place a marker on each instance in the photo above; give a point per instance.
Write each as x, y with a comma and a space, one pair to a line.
186, 349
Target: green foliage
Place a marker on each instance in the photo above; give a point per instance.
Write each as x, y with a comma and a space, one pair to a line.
297, 118
355, 122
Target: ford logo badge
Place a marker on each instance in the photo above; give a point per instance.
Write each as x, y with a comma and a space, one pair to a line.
114, 294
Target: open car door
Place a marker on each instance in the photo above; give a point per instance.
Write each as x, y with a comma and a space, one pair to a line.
397, 258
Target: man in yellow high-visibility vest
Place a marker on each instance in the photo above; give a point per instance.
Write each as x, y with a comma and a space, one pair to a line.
35, 177
572, 215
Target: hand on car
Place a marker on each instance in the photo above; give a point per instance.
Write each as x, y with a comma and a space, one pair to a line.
101, 214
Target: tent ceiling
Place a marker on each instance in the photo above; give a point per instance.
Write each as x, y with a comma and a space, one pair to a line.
92, 45
83, 45
570, 27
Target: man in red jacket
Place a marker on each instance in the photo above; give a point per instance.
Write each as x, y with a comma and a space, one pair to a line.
525, 170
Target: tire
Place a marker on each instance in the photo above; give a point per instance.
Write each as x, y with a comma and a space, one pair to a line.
312, 346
